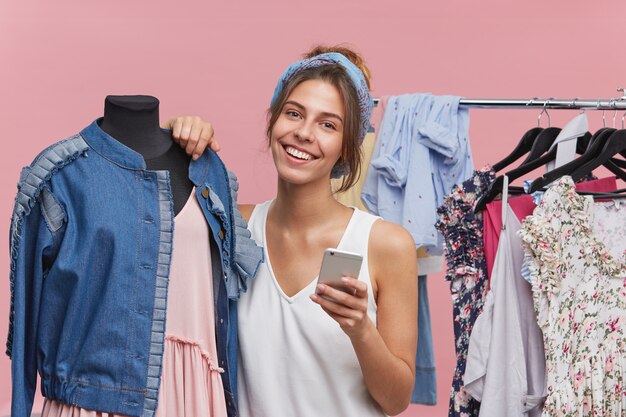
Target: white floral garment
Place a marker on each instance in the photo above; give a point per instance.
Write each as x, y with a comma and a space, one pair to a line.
576, 252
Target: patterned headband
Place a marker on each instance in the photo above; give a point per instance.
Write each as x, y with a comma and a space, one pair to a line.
358, 79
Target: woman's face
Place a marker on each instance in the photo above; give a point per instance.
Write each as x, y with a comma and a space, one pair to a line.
307, 136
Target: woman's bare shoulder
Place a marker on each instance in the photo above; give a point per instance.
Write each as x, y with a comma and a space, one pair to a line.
392, 250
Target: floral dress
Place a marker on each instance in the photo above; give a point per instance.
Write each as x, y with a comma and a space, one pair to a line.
576, 251
467, 272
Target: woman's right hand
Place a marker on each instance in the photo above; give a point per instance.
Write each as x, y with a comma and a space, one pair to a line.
192, 134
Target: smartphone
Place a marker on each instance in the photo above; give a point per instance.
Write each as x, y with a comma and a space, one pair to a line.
336, 264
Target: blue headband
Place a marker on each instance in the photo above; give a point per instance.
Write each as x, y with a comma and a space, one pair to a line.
358, 79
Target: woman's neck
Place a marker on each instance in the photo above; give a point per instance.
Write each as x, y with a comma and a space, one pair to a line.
305, 205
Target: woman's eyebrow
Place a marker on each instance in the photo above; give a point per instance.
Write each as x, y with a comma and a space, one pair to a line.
325, 114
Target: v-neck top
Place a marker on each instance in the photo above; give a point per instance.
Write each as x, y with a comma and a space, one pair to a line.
310, 287
294, 359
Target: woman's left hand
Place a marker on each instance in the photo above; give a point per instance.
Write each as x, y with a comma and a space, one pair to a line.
193, 134
349, 310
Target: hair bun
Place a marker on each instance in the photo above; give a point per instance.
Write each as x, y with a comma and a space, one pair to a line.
349, 53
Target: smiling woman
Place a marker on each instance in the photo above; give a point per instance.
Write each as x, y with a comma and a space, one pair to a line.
306, 138
350, 106
326, 351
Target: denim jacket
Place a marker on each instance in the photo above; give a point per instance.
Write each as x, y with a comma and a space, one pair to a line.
91, 244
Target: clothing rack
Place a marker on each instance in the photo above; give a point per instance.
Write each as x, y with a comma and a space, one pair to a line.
549, 103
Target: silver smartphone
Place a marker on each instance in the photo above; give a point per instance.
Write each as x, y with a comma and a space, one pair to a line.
337, 263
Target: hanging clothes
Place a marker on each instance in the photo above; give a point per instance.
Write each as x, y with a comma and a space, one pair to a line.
426, 263
425, 387
422, 150
523, 206
576, 250
462, 230
505, 362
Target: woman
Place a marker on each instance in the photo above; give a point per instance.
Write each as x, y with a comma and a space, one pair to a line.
302, 354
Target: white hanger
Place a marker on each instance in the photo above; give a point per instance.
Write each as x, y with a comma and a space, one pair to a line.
566, 140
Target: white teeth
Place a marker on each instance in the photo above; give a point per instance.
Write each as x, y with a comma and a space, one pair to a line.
298, 154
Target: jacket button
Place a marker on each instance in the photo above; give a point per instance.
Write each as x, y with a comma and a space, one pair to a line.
221, 234
205, 192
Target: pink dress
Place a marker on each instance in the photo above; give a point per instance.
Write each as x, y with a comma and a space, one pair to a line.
191, 384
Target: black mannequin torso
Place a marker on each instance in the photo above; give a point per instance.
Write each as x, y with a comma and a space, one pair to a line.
134, 122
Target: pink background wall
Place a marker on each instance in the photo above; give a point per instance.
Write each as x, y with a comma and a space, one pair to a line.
221, 59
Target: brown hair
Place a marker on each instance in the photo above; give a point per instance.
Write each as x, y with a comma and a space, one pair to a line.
335, 75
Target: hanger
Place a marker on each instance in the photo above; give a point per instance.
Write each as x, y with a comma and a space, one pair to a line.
526, 143
615, 195
567, 140
544, 140
496, 187
590, 156
542, 144
619, 162
523, 146
616, 143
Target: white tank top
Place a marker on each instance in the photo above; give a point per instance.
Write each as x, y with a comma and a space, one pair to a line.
294, 359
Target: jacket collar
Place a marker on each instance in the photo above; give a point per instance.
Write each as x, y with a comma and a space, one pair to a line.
107, 146
111, 149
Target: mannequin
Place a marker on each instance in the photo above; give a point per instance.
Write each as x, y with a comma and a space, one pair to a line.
134, 122
128, 297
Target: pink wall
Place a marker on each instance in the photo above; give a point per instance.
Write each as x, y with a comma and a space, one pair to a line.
220, 60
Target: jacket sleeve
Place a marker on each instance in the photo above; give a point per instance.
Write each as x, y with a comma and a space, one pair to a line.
36, 227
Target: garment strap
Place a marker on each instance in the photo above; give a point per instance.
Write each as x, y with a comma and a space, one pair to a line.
505, 201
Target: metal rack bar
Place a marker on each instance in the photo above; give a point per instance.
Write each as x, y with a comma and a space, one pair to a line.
551, 103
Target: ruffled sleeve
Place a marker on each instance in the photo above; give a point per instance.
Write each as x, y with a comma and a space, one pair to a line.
248, 255
543, 234
462, 230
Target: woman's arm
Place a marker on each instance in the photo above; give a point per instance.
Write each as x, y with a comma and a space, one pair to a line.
192, 134
385, 350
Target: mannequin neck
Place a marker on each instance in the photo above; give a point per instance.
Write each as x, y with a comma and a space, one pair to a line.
134, 121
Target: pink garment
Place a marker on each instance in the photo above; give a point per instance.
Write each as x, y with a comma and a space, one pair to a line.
191, 384
524, 206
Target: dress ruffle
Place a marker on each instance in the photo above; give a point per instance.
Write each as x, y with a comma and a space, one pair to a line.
191, 383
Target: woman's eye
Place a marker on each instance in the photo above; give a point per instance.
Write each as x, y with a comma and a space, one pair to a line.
328, 125
292, 113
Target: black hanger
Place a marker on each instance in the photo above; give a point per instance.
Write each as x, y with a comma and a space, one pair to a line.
616, 143
542, 144
523, 146
615, 161
496, 187
595, 147
614, 195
